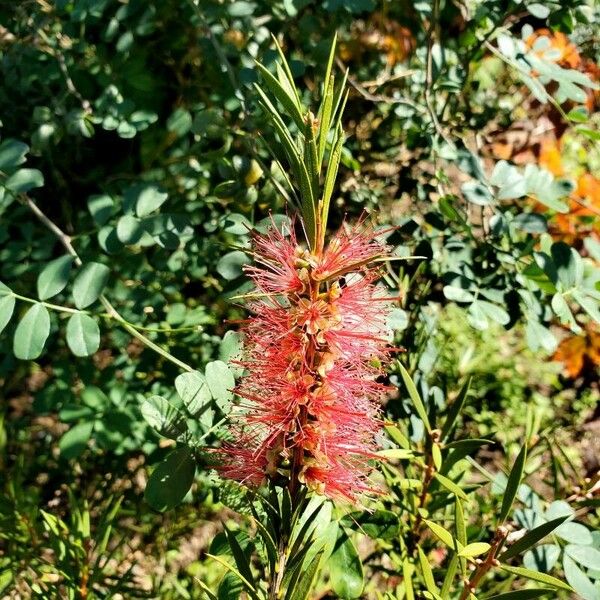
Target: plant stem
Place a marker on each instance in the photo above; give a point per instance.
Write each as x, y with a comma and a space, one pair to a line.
470, 585
65, 240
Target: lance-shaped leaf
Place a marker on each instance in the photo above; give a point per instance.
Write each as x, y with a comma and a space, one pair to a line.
455, 409
248, 586
326, 108
523, 594
512, 485
287, 70
304, 584
444, 535
537, 576
415, 397
427, 574
532, 537
288, 102
297, 165
331, 174
241, 559
310, 155
450, 486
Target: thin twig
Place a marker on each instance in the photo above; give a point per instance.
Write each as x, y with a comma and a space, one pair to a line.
65, 240
359, 87
429, 74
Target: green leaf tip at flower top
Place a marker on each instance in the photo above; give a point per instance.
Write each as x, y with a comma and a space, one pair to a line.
318, 139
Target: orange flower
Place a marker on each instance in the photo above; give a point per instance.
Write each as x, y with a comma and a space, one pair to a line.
574, 350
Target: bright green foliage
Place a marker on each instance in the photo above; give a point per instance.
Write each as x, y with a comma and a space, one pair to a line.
141, 143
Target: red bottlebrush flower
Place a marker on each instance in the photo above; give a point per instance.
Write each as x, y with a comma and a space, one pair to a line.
314, 348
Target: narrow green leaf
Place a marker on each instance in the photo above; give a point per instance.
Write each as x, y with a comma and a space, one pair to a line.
522, 594
31, 333
407, 573
268, 541
310, 156
171, 480
394, 432
251, 591
455, 409
83, 334
304, 585
288, 102
414, 396
54, 277
449, 577
325, 114
297, 165
331, 174
512, 485
474, 549
444, 535
7, 307
241, 560
532, 537
396, 453
286, 68
89, 283
461, 531
537, 576
427, 573
450, 486
206, 589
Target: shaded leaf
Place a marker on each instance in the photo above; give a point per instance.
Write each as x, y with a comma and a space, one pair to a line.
31, 333
83, 334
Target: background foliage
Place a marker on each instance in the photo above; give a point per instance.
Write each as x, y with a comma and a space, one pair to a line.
134, 159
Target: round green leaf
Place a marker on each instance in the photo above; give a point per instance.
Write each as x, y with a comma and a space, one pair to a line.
195, 393
576, 533
83, 334
586, 556
171, 480
161, 415
7, 306
579, 581
150, 198
12, 154
477, 193
100, 207
24, 180
73, 443
541, 558
32, 332
230, 265
89, 284
54, 277
345, 568
130, 230
221, 382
